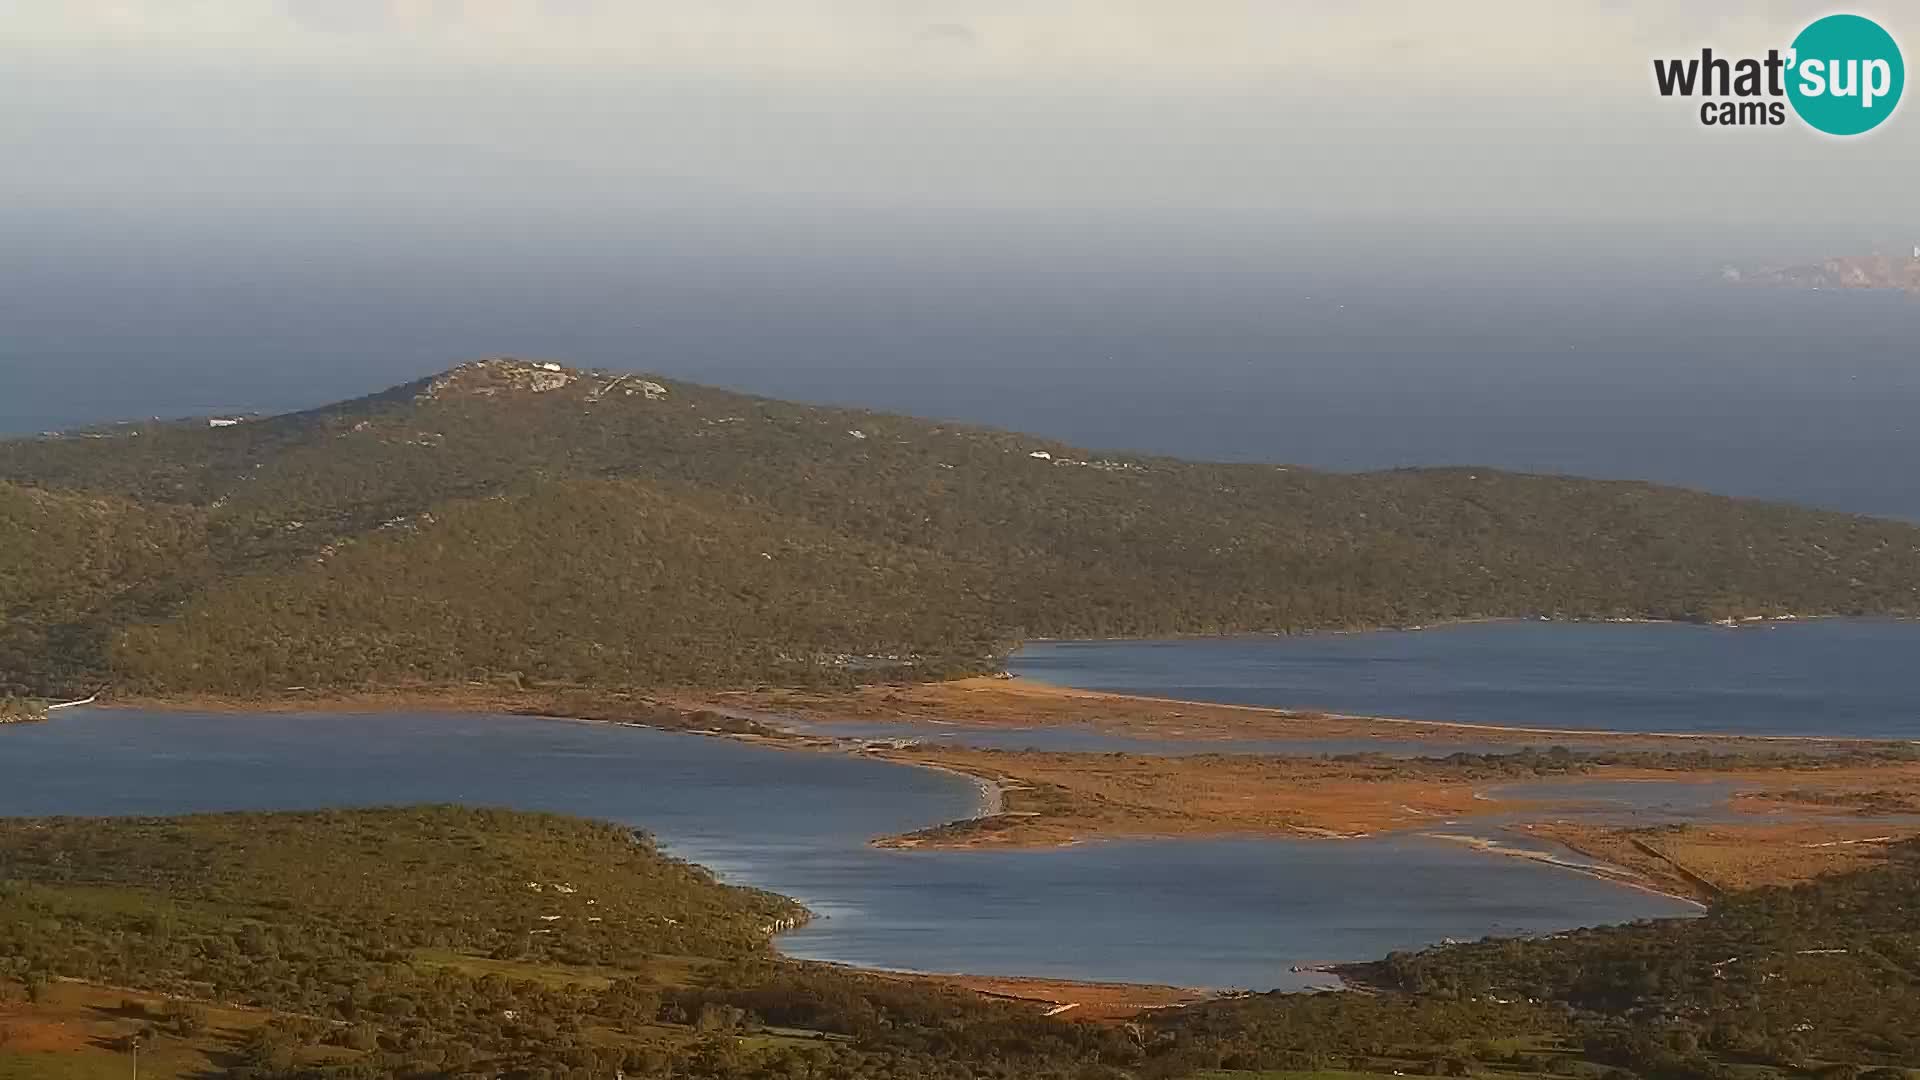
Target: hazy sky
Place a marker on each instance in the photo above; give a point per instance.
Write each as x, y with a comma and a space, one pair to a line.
1399, 109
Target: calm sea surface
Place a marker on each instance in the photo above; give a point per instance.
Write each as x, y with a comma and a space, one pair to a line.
1837, 677
1205, 913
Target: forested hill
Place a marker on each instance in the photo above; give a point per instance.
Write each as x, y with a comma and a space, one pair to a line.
514, 522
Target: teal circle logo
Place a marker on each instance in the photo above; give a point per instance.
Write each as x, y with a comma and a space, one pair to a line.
1846, 75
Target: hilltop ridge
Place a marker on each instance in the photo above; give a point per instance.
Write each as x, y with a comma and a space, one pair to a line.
523, 523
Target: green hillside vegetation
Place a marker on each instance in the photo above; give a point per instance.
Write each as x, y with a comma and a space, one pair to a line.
430, 942
508, 524
75, 567
1828, 970
434, 943
1820, 979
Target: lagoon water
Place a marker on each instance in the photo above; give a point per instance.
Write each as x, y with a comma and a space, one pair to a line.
1829, 677
1231, 912
1206, 913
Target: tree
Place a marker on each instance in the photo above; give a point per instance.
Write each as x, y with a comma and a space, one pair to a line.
185, 1017
267, 1050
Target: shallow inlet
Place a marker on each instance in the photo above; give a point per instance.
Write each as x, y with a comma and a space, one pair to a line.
1217, 913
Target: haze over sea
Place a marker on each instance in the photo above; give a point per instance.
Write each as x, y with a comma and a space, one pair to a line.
1603, 352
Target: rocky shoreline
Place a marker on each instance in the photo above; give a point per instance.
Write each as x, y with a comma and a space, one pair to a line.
34, 711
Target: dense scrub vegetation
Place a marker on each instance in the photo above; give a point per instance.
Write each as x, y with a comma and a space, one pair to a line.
508, 523
1824, 971
439, 942
382, 882
74, 567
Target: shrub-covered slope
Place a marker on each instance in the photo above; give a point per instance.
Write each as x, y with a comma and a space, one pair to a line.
505, 519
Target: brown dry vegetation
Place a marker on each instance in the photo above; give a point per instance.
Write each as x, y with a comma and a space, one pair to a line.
1021, 703
76, 1030
1054, 798
1097, 1001
1704, 861
1059, 798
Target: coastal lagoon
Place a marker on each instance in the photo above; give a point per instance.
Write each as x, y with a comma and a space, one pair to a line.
1821, 677
1215, 913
